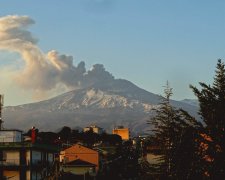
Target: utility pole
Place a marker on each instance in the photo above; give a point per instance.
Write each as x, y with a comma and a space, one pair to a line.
1, 109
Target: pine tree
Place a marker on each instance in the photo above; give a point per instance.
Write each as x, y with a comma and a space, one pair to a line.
175, 131
212, 110
187, 159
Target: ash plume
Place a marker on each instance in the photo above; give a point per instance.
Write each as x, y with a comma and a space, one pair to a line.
43, 72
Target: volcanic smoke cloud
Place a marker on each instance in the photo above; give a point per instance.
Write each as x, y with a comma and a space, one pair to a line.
44, 72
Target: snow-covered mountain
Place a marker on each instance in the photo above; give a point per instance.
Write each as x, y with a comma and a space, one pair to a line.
193, 102
108, 104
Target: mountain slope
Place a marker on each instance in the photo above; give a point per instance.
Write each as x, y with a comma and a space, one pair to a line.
193, 102
117, 102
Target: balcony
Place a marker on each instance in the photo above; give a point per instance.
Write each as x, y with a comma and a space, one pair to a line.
10, 162
28, 145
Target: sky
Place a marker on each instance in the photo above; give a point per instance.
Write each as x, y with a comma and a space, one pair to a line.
144, 41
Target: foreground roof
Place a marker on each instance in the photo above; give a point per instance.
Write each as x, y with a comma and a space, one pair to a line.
80, 163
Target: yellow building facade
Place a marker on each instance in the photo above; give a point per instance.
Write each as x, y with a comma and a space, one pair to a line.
123, 132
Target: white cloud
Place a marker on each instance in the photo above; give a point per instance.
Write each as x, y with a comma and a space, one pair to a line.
42, 73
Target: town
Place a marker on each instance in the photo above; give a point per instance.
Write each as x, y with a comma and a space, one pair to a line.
178, 146
112, 90
70, 154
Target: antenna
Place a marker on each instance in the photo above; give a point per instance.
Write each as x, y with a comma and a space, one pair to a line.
1, 109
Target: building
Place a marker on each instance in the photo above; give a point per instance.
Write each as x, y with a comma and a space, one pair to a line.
123, 132
79, 167
79, 156
20, 160
95, 129
10, 136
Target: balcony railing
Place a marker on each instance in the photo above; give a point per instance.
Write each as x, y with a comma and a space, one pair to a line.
16, 162
10, 162
9, 139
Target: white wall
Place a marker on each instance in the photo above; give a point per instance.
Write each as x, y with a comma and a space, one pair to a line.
61, 156
10, 136
27, 175
28, 157
11, 157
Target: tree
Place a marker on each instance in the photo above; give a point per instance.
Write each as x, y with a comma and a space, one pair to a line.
174, 130
162, 124
65, 134
212, 110
188, 159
